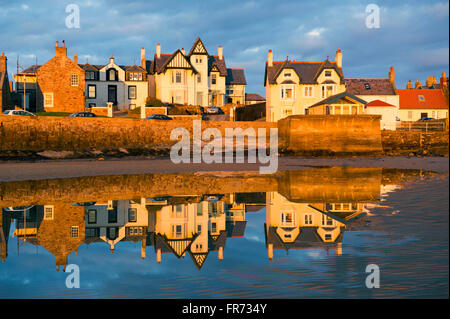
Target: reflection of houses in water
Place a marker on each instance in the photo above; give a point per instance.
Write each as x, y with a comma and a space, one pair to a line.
292, 225
5, 225
195, 225
58, 228
115, 221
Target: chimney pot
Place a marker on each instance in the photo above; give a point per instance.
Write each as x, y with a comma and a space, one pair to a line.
220, 52
270, 58
338, 58
158, 51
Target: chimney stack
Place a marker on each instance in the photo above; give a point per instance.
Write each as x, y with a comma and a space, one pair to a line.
270, 58
431, 80
443, 81
3, 60
60, 51
220, 255
182, 51
418, 84
220, 52
338, 58
143, 61
111, 59
409, 85
158, 51
75, 58
392, 76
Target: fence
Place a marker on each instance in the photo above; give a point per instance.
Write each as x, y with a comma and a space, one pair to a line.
423, 126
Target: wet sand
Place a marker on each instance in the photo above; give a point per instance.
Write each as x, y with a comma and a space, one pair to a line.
21, 171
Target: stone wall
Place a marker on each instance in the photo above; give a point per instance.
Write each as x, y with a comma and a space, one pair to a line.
330, 134
407, 142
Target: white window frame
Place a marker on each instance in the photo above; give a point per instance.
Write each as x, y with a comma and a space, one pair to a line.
46, 95
74, 232
74, 80
284, 88
309, 88
49, 212
324, 90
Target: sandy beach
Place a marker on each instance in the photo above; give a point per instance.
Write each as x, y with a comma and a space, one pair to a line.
21, 171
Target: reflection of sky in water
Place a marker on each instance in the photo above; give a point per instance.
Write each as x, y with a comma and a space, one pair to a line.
411, 250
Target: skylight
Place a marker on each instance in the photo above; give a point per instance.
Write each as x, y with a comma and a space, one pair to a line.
421, 98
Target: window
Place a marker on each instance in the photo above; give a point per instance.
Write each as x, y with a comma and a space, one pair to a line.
199, 228
287, 75
92, 91
92, 105
48, 99
327, 90
90, 75
213, 78
327, 73
132, 92
199, 78
92, 232
74, 231
112, 216
92, 216
178, 230
112, 75
410, 115
199, 209
198, 60
326, 220
213, 227
308, 219
74, 80
287, 93
308, 91
287, 218
48, 212
132, 215
178, 77
327, 236
140, 76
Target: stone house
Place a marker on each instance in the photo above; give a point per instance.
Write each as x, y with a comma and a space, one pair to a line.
60, 84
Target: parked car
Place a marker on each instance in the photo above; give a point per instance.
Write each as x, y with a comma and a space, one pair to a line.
158, 117
213, 110
18, 112
83, 114
425, 119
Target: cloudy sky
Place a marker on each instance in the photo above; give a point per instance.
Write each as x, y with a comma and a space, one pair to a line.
413, 35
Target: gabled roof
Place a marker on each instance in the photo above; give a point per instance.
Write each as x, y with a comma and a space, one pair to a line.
134, 68
236, 228
337, 97
217, 241
369, 86
378, 103
198, 48
89, 67
32, 69
422, 99
308, 72
164, 61
254, 97
236, 76
221, 65
198, 258
177, 246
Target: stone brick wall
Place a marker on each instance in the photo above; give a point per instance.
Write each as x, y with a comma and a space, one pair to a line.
155, 110
83, 134
330, 134
405, 142
55, 77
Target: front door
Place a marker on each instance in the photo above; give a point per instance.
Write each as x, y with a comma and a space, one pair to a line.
112, 94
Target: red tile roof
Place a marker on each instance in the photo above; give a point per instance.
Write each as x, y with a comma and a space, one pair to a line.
432, 99
378, 103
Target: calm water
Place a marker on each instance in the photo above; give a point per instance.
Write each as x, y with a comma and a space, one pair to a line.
296, 234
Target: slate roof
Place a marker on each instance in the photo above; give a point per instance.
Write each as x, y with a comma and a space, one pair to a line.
221, 65
432, 99
32, 69
308, 72
336, 97
236, 229
307, 238
88, 67
254, 97
235, 76
376, 87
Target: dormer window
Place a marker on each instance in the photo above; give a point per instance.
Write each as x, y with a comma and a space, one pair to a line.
421, 98
112, 75
287, 75
90, 75
327, 73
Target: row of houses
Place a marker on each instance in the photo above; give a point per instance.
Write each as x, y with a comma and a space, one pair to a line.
193, 78
319, 87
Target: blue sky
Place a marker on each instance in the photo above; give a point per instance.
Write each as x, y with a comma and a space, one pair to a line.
413, 35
